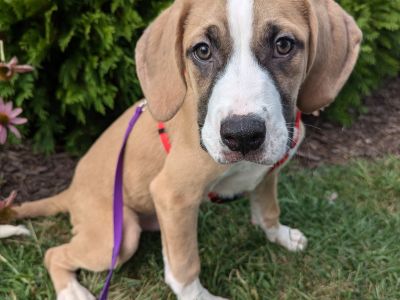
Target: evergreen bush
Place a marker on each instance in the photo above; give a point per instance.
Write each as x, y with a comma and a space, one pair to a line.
83, 51
379, 57
85, 69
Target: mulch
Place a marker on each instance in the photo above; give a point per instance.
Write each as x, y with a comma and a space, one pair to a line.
34, 176
374, 135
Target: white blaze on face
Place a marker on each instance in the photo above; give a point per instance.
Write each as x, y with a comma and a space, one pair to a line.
244, 88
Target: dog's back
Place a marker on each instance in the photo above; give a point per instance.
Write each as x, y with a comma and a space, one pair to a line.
92, 185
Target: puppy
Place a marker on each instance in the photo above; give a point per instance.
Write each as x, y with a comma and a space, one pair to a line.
227, 77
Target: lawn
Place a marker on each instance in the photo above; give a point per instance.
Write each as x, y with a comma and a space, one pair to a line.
353, 252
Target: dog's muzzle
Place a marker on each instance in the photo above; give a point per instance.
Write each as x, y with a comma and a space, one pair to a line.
243, 133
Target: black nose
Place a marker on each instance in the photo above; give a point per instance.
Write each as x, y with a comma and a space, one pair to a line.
243, 133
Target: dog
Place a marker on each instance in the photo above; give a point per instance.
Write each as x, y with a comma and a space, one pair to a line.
226, 77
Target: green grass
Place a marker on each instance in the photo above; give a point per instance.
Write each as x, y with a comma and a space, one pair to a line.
353, 252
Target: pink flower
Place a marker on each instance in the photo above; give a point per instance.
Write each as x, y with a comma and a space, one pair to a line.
6, 203
7, 215
8, 70
9, 118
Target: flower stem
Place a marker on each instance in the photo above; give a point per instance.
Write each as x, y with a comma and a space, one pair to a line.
2, 56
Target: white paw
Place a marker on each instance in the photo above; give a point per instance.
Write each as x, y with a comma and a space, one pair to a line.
195, 291
9, 230
292, 239
192, 291
75, 291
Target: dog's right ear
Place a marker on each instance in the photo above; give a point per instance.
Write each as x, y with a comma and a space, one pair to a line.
159, 62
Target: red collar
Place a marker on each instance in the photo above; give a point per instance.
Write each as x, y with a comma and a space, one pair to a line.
219, 199
295, 141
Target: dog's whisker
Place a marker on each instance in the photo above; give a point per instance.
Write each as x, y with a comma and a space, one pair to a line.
312, 126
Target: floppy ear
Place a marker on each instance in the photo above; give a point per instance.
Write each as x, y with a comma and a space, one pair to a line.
159, 62
334, 46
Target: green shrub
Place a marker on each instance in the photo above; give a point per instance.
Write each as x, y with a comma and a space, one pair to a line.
379, 58
85, 77
83, 53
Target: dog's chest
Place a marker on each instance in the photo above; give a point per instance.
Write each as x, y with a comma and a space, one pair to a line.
240, 177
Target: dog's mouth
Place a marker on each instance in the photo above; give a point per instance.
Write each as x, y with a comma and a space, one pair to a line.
265, 155
247, 138
257, 156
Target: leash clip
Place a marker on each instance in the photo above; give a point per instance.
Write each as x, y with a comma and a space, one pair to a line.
143, 104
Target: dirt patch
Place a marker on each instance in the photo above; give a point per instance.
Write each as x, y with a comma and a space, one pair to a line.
34, 176
375, 134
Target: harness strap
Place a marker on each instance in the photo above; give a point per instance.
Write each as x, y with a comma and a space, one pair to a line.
164, 137
218, 199
295, 141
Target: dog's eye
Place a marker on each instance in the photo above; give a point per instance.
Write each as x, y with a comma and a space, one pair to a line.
202, 52
284, 46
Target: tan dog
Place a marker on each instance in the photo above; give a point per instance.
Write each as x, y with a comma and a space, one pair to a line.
227, 75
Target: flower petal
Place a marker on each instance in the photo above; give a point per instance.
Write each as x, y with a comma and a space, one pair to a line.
13, 61
8, 107
1, 104
14, 130
18, 121
23, 69
15, 113
9, 200
3, 135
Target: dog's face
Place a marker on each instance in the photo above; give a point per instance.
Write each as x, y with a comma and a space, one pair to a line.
246, 66
249, 64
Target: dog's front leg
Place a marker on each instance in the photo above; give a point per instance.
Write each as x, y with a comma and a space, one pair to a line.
265, 213
177, 202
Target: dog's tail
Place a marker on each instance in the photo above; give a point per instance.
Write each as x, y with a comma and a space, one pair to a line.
44, 207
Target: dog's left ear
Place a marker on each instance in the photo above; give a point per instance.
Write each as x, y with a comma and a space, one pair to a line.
159, 62
333, 51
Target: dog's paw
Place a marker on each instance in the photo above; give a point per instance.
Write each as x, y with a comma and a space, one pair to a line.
195, 291
191, 291
292, 239
206, 295
75, 291
210, 297
9, 230
202, 295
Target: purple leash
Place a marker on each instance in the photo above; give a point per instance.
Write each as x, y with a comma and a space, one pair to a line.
118, 203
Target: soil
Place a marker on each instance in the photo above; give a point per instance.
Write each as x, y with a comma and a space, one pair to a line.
33, 176
374, 135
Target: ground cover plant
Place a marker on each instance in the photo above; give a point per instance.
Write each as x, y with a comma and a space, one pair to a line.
351, 215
